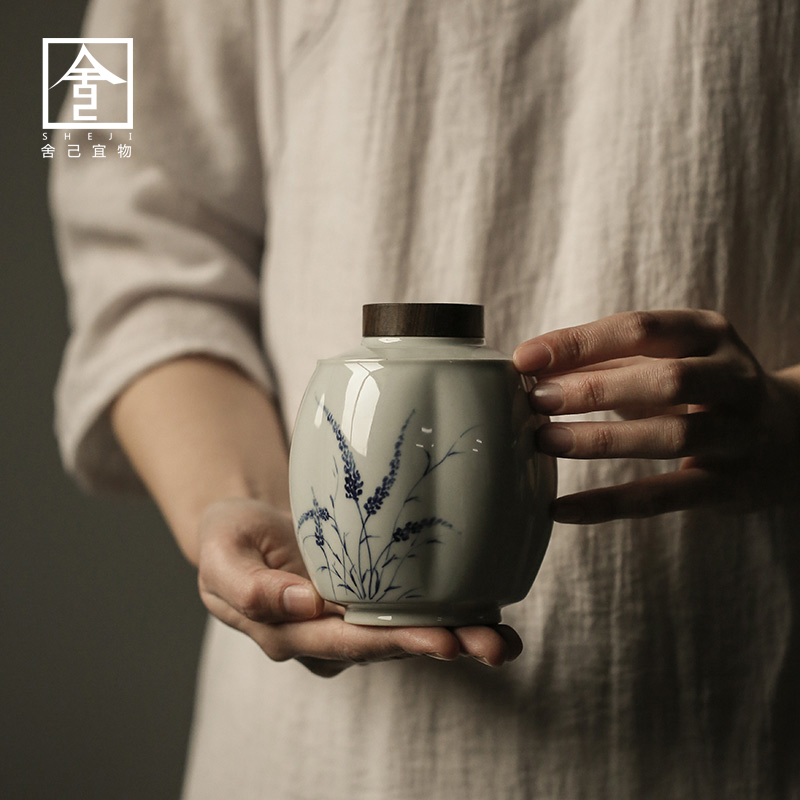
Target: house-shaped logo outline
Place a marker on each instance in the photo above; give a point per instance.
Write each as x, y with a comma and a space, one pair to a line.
99, 72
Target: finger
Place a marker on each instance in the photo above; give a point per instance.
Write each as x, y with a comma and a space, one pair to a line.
683, 489
614, 363
640, 412
702, 434
660, 383
491, 646
629, 412
325, 668
234, 571
513, 640
331, 638
660, 334
333, 608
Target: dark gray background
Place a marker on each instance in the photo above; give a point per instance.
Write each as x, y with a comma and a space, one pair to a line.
99, 618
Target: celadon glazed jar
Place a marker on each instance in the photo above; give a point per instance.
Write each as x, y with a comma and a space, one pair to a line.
417, 492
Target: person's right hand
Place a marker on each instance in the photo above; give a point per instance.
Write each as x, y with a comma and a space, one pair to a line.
251, 577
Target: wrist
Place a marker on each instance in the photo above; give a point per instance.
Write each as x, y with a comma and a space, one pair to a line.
198, 431
184, 521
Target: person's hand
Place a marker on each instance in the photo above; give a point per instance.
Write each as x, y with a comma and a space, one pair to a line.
687, 387
251, 577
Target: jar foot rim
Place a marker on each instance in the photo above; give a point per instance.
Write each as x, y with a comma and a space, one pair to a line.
386, 615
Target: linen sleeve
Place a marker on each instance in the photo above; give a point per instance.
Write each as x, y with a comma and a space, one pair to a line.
160, 251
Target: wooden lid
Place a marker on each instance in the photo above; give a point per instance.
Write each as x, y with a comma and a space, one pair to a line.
457, 320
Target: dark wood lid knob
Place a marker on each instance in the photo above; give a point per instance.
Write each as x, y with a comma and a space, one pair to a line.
458, 320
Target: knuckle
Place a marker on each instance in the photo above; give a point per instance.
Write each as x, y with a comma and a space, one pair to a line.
353, 651
679, 435
716, 322
673, 380
348, 651
351, 655
592, 391
276, 649
575, 346
602, 441
646, 325
249, 598
715, 331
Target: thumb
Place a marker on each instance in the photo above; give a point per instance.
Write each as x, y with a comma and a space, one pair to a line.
236, 566
257, 592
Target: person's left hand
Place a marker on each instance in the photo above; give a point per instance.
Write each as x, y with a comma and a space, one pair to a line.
688, 387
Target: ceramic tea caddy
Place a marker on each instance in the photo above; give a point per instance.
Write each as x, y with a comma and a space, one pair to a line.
417, 492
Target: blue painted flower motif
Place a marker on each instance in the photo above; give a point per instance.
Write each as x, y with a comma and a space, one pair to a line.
305, 517
352, 477
319, 537
373, 505
410, 528
359, 571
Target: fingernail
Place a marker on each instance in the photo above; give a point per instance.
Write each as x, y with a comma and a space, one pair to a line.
299, 601
438, 656
548, 397
532, 357
484, 661
555, 439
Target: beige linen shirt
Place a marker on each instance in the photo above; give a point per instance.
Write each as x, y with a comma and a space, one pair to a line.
556, 160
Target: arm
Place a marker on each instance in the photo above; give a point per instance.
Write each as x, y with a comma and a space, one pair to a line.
197, 431
207, 443
162, 255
